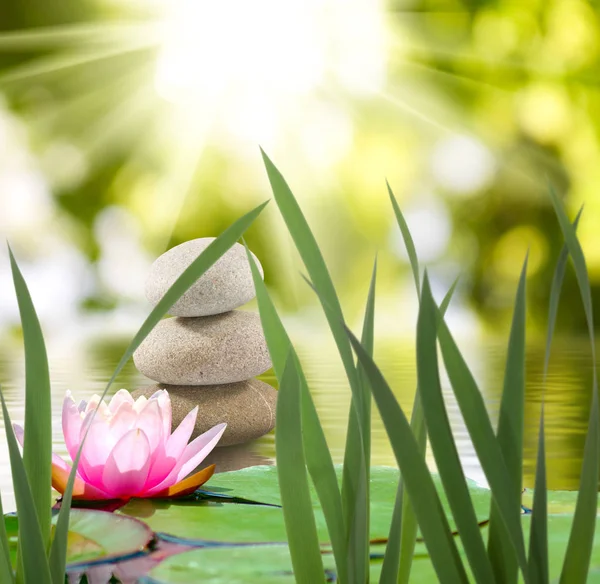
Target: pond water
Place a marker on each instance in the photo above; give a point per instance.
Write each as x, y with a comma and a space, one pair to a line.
85, 368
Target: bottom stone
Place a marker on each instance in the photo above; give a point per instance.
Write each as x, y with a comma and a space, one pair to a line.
248, 407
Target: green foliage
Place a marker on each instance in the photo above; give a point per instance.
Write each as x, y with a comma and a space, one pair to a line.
510, 438
316, 510
317, 455
500, 454
354, 485
293, 480
36, 566
579, 551
37, 447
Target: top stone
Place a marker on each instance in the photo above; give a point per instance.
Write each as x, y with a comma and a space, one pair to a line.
226, 285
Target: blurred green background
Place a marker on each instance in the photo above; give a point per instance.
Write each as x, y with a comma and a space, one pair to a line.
128, 126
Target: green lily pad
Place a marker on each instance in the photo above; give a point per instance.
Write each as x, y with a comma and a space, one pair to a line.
240, 523
272, 565
94, 537
221, 527
265, 564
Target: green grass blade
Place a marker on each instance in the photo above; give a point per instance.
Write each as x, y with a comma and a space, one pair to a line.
317, 270
319, 275
391, 559
355, 497
555, 290
511, 427
409, 525
293, 481
581, 539
417, 479
442, 441
401, 545
317, 454
538, 536
576, 565
37, 447
6, 571
484, 440
405, 541
33, 551
408, 240
194, 271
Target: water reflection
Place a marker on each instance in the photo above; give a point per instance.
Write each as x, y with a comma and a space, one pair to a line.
85, 369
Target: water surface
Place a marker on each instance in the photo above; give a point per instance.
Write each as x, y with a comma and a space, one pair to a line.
85, 369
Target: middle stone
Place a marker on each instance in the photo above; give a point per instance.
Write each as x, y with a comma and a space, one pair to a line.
210, 350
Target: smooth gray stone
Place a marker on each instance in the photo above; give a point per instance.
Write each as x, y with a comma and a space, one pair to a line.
226, 285
248, 408
208, 350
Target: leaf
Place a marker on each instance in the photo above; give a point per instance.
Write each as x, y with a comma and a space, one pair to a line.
37, 447
399, 553
224, 522
194, 271
265, 564
407, 237
510, 432
315, 264
318, 458
477, 421
415, 473
33, 555
579, 550
557, 281
6, 571
356, 502
442, 440
538, 536
309, 251
293, 481
95, 537
538, 540
398, 559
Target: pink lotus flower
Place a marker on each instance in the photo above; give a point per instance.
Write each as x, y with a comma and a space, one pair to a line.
130, 450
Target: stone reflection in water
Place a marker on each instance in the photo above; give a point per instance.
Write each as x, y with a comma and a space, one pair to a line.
228, 458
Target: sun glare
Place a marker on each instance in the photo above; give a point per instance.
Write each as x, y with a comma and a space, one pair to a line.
245, 61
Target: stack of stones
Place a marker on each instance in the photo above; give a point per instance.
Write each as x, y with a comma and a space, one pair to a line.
208, 354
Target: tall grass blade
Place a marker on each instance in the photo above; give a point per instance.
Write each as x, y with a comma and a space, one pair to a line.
401, 546
472, 407
539, 570
399, 552
555, 290
538, 536
6, 571
397, 562
316, 452
417, 479
315, 264
310, 253
33, 549
293, 481
37, 447
511, 427
407, 237
356, 502
442, 440
581, 539
198, 267
391, 559
576, 564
